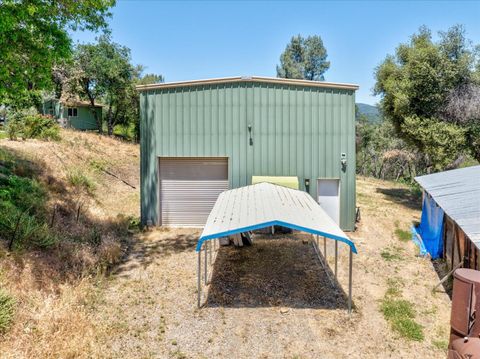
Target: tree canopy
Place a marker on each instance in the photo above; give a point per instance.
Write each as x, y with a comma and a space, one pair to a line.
425, 87
34, 37
304, 58
102, 72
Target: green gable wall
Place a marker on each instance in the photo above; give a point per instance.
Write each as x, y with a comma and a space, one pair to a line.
84, 120
296, 131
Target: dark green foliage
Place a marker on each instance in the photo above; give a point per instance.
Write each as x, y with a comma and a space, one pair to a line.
426, 87
22, 208
7, 311
304, 58
34, 37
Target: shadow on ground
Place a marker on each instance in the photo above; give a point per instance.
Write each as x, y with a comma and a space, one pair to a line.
149, 246
273, 272
407, 197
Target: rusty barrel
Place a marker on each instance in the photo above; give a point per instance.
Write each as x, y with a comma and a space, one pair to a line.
465, 314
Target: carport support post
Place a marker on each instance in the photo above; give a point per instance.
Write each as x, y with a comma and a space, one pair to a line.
206, 263
210, 250
350, 282
336, 258
325, 248
199, 275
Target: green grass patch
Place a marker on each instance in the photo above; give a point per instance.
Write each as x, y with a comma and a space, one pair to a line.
3, 135
441, 344
7, 311
80, 181
98, 165
400, 313
391, 254
402, 235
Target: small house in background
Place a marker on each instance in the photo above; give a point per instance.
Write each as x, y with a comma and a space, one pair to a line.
200, 138
450, 222
72, 114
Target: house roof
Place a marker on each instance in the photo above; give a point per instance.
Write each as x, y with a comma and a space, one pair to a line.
265, 204
258, 79
457, 192
78, 103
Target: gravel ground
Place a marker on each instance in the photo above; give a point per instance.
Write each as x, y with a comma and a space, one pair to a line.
273, 300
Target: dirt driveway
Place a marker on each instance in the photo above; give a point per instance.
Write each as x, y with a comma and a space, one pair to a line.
273, 300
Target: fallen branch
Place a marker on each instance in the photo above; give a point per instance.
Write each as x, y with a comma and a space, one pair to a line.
120, 179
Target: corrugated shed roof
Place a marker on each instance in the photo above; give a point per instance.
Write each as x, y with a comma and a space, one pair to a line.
261, 79
458, 193
263, 205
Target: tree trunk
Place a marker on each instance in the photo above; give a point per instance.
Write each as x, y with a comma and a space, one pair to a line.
98, 119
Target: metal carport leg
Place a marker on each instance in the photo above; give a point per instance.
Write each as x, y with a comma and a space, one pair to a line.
350, 282
199, 274
336, 258
206, 261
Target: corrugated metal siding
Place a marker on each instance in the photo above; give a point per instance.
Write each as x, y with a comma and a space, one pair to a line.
296, 131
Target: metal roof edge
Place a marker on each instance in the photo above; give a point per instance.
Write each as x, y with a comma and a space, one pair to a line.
345, 240
255, 79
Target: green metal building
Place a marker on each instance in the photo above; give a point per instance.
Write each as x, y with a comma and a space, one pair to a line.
72, 114
199, 138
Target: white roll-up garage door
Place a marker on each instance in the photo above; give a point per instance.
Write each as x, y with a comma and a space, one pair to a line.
189, 188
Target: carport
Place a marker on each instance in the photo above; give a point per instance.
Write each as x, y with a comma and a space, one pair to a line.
264, 205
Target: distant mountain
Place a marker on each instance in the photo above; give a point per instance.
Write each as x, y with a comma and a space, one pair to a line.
371, 112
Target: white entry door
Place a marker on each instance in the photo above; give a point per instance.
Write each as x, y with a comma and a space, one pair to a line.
328, 196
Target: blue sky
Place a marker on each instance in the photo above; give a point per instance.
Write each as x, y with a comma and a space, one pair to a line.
197, 40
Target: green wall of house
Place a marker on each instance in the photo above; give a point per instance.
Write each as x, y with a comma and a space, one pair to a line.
296, 131
85, 120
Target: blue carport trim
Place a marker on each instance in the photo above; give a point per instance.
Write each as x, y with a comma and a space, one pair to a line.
274, 223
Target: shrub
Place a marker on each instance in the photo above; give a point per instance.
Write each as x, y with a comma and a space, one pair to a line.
42, 127
22, 210
77, 179
28, 124
23, 229
7, 311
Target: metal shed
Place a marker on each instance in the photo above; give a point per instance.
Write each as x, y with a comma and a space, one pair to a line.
457, 193
263, 205
254, 126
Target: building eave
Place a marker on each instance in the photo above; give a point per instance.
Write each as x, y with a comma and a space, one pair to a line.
255, 79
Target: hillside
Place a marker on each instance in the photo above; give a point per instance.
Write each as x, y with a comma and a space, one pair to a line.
371, 112
85, 206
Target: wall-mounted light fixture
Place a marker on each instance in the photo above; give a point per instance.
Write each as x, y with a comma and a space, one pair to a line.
250, 134
343, 161
307, 185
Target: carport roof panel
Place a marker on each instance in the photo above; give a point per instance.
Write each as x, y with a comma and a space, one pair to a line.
264, 204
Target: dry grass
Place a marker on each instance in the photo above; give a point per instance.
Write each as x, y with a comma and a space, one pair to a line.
55, 290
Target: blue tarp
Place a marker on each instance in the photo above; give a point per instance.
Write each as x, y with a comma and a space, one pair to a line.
430, 229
